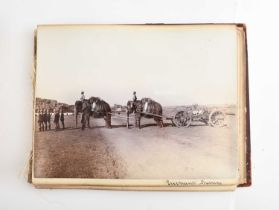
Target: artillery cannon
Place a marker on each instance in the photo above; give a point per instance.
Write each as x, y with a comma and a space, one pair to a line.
184, 118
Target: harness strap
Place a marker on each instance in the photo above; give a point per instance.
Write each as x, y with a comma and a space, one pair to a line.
93, 106
145, 106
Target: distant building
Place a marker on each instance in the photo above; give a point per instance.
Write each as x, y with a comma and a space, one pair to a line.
51, 104
118, 108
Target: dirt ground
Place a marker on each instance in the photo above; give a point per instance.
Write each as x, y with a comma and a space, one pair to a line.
199, 151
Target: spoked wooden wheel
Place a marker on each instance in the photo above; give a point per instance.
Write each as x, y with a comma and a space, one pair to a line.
182, 119
217, 118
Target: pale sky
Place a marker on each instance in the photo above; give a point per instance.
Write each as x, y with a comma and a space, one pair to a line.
174, 65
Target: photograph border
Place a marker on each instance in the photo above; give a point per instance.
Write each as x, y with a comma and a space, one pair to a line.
244, 147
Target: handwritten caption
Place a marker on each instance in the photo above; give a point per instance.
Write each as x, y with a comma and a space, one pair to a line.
179, 183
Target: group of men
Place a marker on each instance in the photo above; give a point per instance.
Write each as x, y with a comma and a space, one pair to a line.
44, 119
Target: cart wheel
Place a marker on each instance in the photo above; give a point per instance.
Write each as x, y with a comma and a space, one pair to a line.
182, 119
217, 118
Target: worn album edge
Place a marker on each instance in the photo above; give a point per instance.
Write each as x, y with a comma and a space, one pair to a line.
177, 185
245, 161
140, 188
34, 65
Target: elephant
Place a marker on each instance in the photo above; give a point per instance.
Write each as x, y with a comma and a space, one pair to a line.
95, 107
100, 108
147, 108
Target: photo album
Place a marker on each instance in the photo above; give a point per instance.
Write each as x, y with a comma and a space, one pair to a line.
141, 107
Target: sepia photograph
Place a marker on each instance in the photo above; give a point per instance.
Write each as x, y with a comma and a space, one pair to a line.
136, 102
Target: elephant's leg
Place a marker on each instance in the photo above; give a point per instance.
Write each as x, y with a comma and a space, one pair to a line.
137, 119
159, 122
83, 124
109, 120
76, 118
106, 121
127, 120
88, 121
139, 122
82, 118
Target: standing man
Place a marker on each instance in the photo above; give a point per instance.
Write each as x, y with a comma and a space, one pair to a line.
40, 120
56, 119
82, 97
134, 96
134, 101
62, 118
45, 119
49, 119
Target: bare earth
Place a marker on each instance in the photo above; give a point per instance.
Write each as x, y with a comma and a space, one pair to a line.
199, 151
